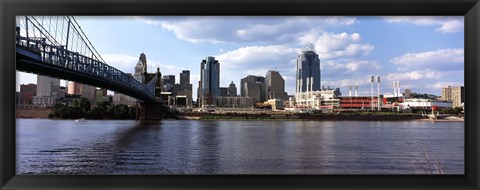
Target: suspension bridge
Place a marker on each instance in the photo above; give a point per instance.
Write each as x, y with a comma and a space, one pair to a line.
56, 46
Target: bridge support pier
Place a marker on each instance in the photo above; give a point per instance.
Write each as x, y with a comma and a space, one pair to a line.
149, 111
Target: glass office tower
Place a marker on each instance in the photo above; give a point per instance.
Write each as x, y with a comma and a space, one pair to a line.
308, 70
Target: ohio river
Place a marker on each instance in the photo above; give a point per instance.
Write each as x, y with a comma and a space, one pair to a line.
237, 147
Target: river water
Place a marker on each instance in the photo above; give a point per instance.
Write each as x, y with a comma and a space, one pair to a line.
238, 147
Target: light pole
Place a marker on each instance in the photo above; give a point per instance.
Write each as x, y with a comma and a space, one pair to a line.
378, 92
372, 80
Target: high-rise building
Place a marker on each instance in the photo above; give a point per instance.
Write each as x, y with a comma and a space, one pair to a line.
250, 85
185, 77
308, 70
47, 86
456, 94
210, 81
184, 89
84, 90
168, 82
275, 86
254, 90
232, 89
48, 91
74, 88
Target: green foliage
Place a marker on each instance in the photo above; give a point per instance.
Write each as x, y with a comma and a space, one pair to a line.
452, 111
423, 96
82, 109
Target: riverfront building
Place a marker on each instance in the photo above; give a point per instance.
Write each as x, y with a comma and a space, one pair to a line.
168, 82
234, 102
26, 94
455, 94
359, 102
275, 86
308, 70
316, 100
209, 87
308, 93
84, 90
48, 91
254, 87
424, 104
183, 91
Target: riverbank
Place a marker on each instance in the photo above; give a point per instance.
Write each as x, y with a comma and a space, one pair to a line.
42, 113
313, 117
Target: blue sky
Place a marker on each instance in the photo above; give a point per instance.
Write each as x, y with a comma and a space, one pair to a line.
423, 53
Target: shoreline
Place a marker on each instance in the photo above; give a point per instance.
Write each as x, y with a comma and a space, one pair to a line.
352, 116
302, 117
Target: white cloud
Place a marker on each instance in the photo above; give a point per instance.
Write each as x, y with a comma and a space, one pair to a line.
126, 63
330, 45
443, 59
348, 68
244, 29
415, 75
448, 24
253, 56
440, 85
451, 27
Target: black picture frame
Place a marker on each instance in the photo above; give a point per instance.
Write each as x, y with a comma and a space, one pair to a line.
470, 9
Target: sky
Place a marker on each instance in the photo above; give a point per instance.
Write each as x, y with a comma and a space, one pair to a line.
424, 53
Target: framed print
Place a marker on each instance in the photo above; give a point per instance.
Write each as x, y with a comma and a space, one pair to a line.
205, 95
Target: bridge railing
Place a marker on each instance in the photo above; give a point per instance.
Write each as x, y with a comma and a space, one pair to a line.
59, 41
58, 56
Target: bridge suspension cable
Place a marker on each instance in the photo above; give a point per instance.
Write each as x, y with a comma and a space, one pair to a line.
58, 42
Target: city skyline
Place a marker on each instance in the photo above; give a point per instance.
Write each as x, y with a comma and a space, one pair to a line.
424, 53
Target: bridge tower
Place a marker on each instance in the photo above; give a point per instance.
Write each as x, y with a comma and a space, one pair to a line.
152, 110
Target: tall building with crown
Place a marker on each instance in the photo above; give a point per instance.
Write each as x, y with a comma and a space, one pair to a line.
308, 70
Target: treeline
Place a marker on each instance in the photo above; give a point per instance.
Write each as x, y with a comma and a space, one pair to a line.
424, 96
452, 111
82, 109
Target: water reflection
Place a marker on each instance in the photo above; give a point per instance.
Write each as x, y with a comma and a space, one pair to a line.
234, 147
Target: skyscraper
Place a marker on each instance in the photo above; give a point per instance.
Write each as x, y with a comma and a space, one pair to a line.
168, 82
185, 77
48, 91
253, 86
275, 86
210, 81
184, 88
308, 70
47, 86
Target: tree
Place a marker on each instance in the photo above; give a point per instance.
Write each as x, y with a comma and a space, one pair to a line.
84, 104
